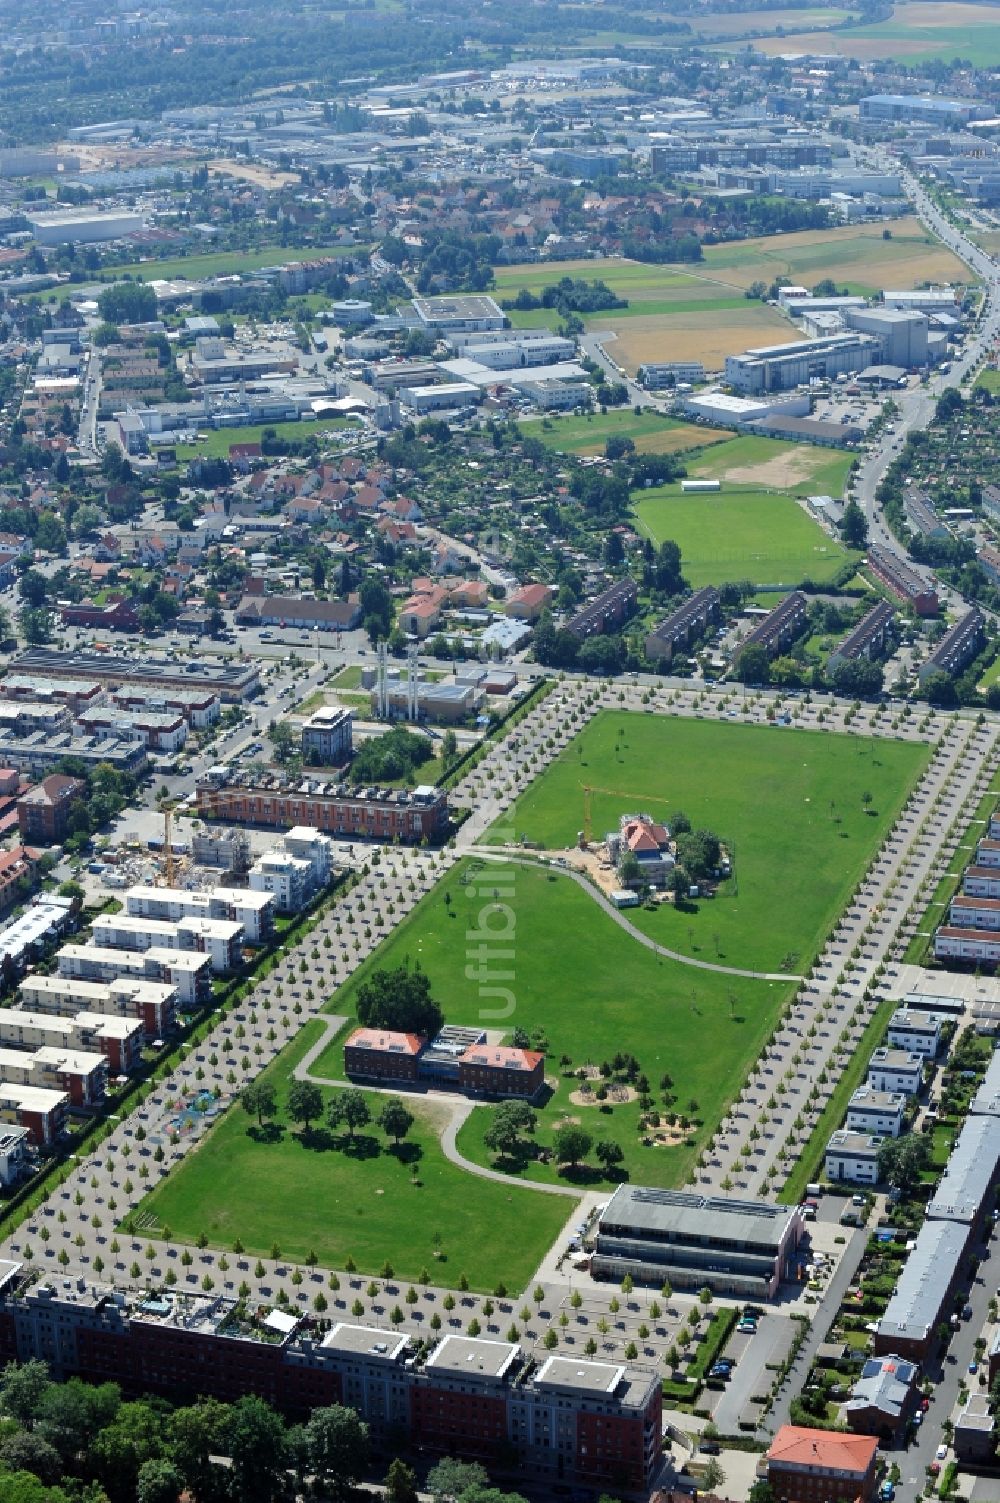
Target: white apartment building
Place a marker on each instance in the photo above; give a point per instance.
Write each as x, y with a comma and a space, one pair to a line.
240, 905
13, 1154
220, 939
152, 1004
917, 1032
852, 1156
295, 869
187, 972
896, 1070
877, 1113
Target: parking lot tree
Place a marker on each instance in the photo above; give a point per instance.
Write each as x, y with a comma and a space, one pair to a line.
571, 1144
258, 1099
512, 1120
395, 1119
349, 1109
901, 1161
305, 1102
712, 1476
400, 1000
753, 665
283, 739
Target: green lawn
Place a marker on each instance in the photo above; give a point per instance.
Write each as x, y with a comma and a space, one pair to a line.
216, 443
989, 380
650, 432
787, 802
594, 991
749, 534
774, 463
367, 1205
226, 263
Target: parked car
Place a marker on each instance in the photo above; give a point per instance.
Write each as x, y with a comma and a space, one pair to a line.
888, 1492
940, 1453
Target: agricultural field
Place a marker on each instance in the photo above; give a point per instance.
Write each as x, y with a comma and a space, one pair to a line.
719, 24
650, 433
917, 32
215, 444
788, 803
742, 533
415, 1209
701, 313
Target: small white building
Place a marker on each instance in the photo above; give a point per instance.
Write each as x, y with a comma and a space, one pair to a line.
878, 1113
917, 1032
13, 1154
852, 1156
896, 1070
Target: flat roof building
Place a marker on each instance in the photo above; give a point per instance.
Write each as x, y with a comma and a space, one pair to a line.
965, 1186
923, 1290
736, 1247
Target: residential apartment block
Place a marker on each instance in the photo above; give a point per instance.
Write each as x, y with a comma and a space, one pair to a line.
379, 814
152, 1004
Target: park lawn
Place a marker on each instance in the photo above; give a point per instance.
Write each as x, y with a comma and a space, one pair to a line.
989, 381
774, 463
225, 263
312, 1196
215, 444
756, 535
594, 990
651, 433
347, 678
786, 802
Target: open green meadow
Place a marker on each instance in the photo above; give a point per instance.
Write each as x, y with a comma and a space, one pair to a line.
651, 433
593, 990
741, 534
802, 469
227, 263
788, 803
370, 1205
215, 444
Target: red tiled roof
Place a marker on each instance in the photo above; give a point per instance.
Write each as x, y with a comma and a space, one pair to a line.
795, 1445
385, 1041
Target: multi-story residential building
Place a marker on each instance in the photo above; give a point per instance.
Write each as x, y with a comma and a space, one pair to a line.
988, 852
957, 647
917, 1032
117, 1040
188, 973
967, 912
981, 882
219, 939
977, 946
82, 1075
735, 1247
688, 622
327, 736
905, 582
877, 1112
162, 731
963, 1193
153, 1004
42, 1111
295, 870
896, 1070
43, 812
572, 1420
200, 707
14, 1154
779, 627
852, 1157
884, 1398
609, 610
379, 814
923, 1292
820, 1466
869, 639
240, 905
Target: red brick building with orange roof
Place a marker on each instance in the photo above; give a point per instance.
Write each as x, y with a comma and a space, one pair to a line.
820, 1466
382, 1054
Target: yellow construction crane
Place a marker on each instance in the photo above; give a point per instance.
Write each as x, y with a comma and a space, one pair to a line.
589, 789
168, 849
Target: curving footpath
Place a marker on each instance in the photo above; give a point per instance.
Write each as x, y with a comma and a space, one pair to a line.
491, 853
459, 1110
